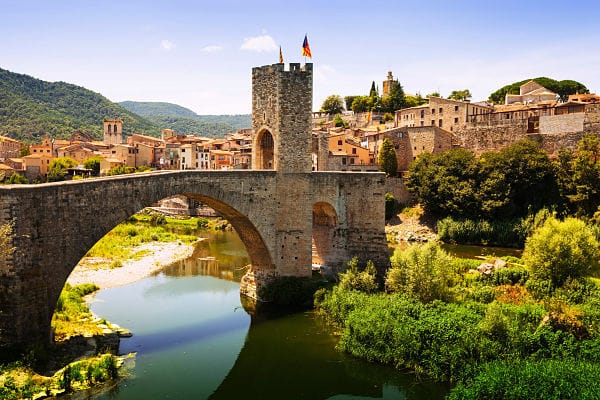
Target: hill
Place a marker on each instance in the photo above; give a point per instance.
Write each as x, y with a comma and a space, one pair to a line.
184, 120
31, 108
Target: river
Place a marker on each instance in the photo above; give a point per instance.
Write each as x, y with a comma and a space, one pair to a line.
194, 340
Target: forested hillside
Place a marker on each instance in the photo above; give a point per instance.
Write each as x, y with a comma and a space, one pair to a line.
183, 120
31, 108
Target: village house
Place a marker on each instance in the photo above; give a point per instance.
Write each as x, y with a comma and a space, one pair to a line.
9, 147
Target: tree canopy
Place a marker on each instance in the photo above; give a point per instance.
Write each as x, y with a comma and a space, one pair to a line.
496, 185
387, 159
462, 95
394, 100
333, 105
563, 88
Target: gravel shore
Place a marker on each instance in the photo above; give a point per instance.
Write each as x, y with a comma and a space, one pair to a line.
160, 255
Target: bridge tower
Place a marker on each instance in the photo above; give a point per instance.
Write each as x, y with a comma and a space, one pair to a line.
281, 117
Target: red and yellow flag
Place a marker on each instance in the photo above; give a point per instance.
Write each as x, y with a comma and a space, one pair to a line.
306, 48
280, 56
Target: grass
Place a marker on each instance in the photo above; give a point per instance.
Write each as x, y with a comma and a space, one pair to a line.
120, 243
72, 316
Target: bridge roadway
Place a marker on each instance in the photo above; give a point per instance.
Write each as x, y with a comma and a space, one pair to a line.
280, 217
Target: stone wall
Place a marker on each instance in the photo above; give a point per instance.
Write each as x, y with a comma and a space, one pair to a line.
282, 104
563, 123
396, 187
483, 137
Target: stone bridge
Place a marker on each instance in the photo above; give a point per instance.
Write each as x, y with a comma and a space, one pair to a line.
280, 219
287, 215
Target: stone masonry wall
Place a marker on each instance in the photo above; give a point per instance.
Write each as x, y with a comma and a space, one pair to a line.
564, 123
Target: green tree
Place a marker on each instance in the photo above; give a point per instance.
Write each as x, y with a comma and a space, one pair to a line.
462, 95
387, 159
373, 92
93, 163
434, 94
509, 177
362, 104
338, 121
586, 176
414, 101
394, 100
355, 278
333, 105
58, 168
445, 183
348, 100
561, 250
16, 179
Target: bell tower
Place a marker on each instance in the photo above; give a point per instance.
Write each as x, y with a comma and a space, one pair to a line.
113, 131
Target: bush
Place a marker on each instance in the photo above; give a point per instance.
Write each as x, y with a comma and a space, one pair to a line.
422, 271
532, 380
508, 233
356, 278
391, 206
561, 249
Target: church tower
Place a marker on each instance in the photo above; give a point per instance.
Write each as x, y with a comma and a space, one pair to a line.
113, 131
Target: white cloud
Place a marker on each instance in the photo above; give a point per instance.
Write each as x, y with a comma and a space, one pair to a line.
167, 45
324, 72
211, 49
264, 43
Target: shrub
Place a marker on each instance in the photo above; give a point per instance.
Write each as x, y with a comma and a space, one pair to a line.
355, 278
422, 271
467, 231
532, 380
390, 205
561, 249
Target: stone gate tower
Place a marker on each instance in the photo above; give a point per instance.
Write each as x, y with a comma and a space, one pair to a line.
281, 117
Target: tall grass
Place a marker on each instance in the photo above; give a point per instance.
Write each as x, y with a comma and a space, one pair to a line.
496, 233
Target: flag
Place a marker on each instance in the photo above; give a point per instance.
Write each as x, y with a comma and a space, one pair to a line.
280, 56
306, 48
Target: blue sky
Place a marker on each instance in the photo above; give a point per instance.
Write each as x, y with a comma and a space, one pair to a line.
199, 54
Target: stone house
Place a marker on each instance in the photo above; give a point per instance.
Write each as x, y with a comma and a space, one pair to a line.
36, 166
9, 147
531, 93
221, 159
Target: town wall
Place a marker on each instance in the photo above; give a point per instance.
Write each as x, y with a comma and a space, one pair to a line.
563, 123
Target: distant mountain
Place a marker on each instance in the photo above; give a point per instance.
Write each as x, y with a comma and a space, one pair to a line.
152, 109
183, 120
31, 108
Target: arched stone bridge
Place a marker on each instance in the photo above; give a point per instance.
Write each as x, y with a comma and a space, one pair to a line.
286, 221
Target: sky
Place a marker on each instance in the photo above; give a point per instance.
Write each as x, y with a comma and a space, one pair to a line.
200, 54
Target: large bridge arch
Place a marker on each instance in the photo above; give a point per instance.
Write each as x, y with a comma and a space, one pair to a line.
56, 224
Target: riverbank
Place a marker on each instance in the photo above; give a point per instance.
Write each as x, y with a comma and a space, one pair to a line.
157, 255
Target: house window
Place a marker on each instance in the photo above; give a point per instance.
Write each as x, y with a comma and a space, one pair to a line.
422, 123
433, 122
183, 150
441, 110
354, 150
433, 110
352, 161
455, 108
415, 148
339, 142
422, 113
344, 160
456, 120
440, 123
423, 147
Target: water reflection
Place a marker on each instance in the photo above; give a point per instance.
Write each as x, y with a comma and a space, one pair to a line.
220, 254
194, 340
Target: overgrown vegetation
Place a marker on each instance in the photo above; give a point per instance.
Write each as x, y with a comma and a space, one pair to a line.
119, 244
562, 88
494, 334
72, 316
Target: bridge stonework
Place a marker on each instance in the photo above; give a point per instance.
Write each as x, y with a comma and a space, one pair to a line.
286, 216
